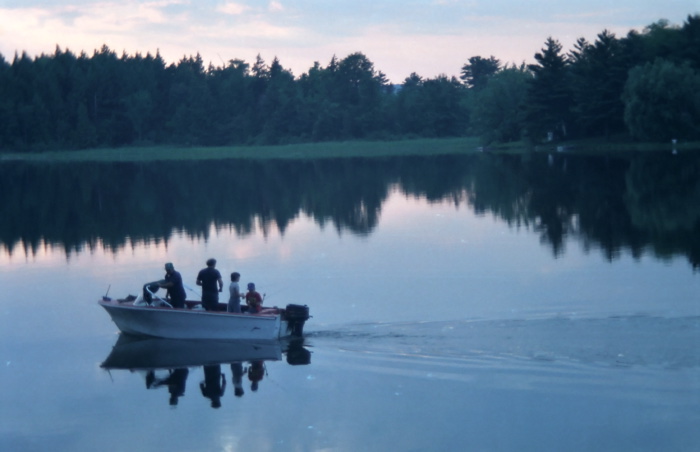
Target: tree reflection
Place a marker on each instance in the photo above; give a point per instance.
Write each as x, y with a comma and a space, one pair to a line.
630, 202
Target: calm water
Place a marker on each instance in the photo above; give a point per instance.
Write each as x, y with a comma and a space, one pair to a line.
487, 303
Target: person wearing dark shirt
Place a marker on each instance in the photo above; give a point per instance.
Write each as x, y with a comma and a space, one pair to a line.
210, 280
173, 282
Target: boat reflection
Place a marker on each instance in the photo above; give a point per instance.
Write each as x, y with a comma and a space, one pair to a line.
167, 362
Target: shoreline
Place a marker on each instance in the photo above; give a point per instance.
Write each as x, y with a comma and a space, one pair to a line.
335, 149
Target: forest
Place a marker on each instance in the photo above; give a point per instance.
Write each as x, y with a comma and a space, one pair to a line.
644, 86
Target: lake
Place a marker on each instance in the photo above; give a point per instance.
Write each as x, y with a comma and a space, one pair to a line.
486, 302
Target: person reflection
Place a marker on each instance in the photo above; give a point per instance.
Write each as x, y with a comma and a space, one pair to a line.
175, 381
256, 371
214, 385
237, 379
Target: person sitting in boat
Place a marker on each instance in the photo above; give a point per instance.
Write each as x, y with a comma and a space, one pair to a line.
173, 283
209, 278
253, 299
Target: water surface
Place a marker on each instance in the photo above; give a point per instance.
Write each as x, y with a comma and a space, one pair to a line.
539, 302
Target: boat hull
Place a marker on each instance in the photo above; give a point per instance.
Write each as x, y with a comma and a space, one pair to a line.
172, 323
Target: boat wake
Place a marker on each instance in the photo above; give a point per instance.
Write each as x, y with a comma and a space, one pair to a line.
623, 341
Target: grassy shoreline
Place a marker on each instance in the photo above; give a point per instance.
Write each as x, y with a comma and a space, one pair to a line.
345, 149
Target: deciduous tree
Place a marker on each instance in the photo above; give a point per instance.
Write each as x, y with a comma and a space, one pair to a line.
662, 101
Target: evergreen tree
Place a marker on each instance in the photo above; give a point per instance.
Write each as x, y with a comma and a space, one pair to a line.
548, 109
478, 70
7, 126
279, 105
189, 99
689, 45
231, 107
598, 74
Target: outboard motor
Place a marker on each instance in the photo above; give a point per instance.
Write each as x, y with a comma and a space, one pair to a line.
296, 315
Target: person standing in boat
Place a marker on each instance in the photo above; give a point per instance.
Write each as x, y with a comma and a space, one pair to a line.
253, 299
210, 280
173, 283
234, 300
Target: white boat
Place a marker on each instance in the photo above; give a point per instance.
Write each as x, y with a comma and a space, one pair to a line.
152, 316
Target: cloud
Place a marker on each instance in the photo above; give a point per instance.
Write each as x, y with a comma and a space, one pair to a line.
275, 7
127, 26
232, 8
259, 29
429, 37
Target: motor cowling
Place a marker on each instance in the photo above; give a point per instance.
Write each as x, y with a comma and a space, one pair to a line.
296, 315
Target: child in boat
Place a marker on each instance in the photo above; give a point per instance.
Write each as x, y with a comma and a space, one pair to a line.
253, 299
234, 301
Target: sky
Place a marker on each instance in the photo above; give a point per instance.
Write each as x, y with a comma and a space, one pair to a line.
428, 37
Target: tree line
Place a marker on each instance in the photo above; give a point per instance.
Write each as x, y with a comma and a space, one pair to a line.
643, 86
